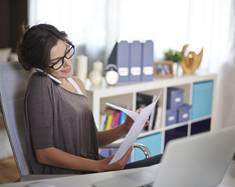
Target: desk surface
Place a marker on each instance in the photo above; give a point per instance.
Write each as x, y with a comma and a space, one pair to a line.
88, 180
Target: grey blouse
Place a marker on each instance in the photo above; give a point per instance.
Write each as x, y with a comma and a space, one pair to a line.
57, 118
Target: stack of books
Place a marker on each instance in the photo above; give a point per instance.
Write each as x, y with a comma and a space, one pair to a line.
112, 118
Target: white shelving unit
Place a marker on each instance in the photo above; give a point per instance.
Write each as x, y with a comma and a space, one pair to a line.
195, 87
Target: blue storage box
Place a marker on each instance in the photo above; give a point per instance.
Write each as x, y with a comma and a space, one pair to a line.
175, 97
171, 117
183, 113
202, 99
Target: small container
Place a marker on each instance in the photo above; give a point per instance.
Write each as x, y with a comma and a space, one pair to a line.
183, 113
171, 117
175, 97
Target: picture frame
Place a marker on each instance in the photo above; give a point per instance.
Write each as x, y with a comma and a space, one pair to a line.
163, 69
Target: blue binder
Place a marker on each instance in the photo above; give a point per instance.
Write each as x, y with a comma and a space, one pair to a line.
120, 57
135, 61
147, 60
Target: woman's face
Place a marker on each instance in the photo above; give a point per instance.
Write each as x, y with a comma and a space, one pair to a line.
60, 64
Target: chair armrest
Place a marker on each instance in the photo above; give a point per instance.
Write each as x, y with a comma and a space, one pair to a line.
142, 147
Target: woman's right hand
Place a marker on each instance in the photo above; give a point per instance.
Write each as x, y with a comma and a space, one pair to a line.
120, 164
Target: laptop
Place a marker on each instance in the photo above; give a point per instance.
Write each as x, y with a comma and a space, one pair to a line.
196, 161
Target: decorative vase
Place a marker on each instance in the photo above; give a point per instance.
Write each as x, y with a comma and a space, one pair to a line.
95, 75
98, 65
177, 69
82, 67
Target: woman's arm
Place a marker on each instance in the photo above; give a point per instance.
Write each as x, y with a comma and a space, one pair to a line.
58, 158
108, 136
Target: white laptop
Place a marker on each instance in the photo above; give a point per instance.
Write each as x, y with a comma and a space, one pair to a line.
196, 161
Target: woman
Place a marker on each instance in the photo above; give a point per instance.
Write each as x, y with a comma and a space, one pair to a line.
60, 130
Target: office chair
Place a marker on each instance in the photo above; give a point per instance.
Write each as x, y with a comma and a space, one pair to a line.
12, 87
13, 83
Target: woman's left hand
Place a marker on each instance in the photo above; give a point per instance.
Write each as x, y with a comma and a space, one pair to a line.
128, 123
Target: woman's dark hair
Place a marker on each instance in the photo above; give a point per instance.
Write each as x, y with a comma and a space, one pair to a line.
36, 43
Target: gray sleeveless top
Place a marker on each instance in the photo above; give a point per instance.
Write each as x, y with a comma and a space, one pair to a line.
57, 118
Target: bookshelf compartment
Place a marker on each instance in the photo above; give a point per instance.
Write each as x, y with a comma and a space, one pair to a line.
145, 98
200, 126
110, 118
125, 100
187, 93
178, 105
153, 142
176, 133
153, 93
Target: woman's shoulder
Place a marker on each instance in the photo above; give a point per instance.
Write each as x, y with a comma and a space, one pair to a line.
39, 81
38, 77
40, 88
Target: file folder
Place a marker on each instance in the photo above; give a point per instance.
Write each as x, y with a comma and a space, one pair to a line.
147, 60
135, 61
120, 57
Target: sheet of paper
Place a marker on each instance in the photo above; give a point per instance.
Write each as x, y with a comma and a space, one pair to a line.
135, 130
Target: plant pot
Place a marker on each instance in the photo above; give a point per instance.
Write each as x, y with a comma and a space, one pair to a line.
177, 69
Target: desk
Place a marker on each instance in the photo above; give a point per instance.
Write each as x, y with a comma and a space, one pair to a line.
88, 180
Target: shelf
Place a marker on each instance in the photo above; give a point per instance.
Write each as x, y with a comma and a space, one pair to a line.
147, 133
130, 87
126, 95
201, 119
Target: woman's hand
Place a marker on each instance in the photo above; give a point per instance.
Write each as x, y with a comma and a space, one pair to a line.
120, 164
129, 121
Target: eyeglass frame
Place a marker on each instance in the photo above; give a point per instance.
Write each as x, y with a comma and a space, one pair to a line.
71, 47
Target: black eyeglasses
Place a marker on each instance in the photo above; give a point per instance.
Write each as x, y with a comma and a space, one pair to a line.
69, 52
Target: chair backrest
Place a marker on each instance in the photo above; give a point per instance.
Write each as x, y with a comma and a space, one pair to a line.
13, 82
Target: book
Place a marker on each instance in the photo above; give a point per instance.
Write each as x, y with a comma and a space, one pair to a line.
135, 61
147, 60
153, 117
116, 119
103, 118
109, 122
140, 120
111, 119
120, 57
122, 117
158, 118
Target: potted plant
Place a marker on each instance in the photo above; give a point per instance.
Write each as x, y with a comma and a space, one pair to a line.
174, 56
